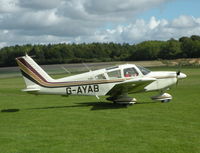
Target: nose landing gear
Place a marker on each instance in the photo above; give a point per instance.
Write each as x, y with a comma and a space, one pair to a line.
163, 97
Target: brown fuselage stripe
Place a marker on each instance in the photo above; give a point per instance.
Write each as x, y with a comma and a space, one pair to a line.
32, 73
28, 66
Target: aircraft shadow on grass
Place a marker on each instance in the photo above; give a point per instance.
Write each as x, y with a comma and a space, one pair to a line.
95, 106
9, 110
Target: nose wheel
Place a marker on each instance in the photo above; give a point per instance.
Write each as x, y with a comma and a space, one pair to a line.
166, 100
163, 97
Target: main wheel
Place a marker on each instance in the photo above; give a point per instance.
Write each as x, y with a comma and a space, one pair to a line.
165, 100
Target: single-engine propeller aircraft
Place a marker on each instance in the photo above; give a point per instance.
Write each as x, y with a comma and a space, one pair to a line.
116, 82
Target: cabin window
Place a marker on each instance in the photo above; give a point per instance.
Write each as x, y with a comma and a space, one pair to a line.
130, 72
100, 77
114, 74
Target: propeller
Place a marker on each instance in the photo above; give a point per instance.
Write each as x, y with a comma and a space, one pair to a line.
178, 72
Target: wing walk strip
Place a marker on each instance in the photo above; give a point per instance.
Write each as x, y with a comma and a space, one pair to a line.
29, 72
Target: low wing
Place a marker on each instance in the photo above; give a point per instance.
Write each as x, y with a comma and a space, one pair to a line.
130, 86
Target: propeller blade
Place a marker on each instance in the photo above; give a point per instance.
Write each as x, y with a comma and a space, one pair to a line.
177, 83
177, 74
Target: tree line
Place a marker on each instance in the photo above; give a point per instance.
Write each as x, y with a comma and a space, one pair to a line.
184, 47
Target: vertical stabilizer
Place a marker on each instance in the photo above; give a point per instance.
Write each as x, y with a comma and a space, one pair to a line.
32, 73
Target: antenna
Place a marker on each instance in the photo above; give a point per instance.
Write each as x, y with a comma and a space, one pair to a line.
65, 70
87, 67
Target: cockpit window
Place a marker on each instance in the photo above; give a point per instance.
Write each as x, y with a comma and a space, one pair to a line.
114, 74
144, 71
130, 72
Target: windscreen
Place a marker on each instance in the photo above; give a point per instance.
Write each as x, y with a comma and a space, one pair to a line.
144, 71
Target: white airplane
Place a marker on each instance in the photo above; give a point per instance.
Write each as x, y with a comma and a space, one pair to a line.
116, 82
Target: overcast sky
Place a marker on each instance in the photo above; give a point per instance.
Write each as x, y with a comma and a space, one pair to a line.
68, 21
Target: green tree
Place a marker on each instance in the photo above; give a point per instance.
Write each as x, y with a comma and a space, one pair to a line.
171, 50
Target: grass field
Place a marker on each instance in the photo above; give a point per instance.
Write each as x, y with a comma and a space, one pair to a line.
55, 124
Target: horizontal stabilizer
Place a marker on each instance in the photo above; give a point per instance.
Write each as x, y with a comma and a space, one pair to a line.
30, 90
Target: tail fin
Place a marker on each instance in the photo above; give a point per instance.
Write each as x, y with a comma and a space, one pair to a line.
34, 76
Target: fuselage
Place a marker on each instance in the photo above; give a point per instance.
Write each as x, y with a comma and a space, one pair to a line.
99, 82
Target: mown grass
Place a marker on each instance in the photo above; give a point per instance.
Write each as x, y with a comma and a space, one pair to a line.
55, 124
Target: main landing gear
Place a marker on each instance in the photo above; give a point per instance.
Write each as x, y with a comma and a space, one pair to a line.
123, 100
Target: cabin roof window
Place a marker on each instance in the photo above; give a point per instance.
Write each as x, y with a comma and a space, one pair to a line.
130, 72
114, 74
144, 71
111, 68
